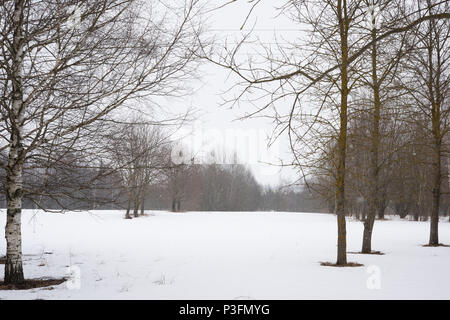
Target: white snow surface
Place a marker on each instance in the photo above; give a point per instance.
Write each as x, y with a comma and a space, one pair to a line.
226, 255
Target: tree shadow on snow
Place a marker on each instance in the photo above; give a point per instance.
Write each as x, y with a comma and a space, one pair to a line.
436, 245
372, 252
349, 264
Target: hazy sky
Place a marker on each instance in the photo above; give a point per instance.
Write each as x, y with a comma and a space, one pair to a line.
217, 125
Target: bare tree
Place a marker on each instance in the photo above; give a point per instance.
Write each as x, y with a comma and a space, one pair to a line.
383, 58
136, 150
179, 173
427, 83
66, 65
325, 64
329, 42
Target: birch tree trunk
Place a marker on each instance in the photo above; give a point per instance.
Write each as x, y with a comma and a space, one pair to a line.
14, 170
13, 265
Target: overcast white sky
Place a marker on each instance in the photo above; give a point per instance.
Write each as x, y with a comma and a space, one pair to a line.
217, 124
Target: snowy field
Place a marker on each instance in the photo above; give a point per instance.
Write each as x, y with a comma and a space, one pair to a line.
225, 256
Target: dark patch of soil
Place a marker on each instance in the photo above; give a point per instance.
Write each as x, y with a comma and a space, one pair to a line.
32, 284
436, 245
349, 264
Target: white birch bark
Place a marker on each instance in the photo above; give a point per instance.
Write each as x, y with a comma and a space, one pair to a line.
14, 170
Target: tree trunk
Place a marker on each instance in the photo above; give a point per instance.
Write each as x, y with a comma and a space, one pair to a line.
14, 170
416, 214
174, 207
342, 233
142, 206
142, 201
13, 235
136, 205
342, 141
434, 219
374, 188
436, 100
127, 214
382, 209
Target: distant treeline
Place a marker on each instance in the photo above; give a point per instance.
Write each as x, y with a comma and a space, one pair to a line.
195, 187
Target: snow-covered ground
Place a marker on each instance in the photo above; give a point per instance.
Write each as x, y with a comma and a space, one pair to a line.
199, 255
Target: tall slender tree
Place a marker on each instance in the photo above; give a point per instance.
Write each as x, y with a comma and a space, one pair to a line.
427, 82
